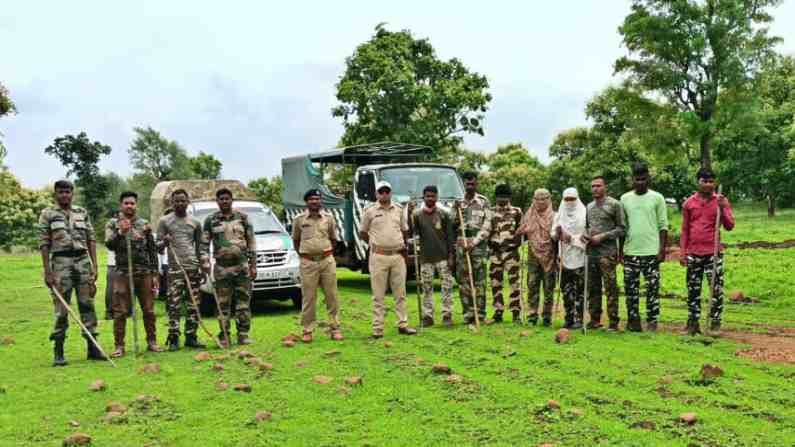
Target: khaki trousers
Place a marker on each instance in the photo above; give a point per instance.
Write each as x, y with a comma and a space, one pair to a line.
321, 274
389, 270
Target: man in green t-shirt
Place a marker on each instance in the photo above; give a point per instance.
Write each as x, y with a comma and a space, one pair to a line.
644, 248
435, 229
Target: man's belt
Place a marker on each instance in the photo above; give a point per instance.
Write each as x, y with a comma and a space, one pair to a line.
386, 252
317, 258
69, 254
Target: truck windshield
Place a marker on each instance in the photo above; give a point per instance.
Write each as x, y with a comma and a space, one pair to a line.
263, 221
408, 182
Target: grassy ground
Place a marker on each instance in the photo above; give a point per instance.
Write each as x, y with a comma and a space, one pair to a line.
608, 386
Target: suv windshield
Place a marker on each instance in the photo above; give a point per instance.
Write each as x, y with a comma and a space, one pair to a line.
263, 221
408, 183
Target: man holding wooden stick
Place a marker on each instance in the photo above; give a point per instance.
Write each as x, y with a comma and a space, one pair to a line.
700, 248
474, 226
130, 236
181, 233
69, 255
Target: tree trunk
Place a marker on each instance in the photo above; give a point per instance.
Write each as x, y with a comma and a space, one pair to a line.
771, 205
706, 155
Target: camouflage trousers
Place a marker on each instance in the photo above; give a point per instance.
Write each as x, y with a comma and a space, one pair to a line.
233, 292
697, 266
537, 279
505, 262
468, 296
72, 274
573, 285
602, 272
649, 267
178, 294
427, 270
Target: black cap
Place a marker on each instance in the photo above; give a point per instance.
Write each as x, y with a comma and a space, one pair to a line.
312, 193
503, 190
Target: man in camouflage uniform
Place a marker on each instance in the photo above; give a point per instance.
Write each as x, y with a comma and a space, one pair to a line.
605, 224
434, 227
234, 250
504, 245
315, 237
181, 235
477, 228
69, 255
144, 270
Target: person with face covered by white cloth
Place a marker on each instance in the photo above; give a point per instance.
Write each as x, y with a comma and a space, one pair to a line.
568, 227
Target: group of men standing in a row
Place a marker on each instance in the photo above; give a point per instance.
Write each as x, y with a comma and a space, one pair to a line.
68, 248
469, 240
475, 237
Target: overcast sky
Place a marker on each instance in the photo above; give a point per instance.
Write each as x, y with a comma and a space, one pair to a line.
252, 83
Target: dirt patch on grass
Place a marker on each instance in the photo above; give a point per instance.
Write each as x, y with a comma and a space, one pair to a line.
776, 346
789, 243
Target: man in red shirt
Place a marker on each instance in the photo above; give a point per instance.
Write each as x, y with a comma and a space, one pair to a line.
698, 248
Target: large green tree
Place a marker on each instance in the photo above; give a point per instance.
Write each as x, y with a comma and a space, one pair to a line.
81, 156
395, 88
515, 165
755, 151
158, 157
689, 51
205, 166
269, 192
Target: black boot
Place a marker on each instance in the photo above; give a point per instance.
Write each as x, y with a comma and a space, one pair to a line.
57, 353
191, 341
93, 352
172, 342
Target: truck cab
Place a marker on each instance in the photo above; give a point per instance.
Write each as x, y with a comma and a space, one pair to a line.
404, 166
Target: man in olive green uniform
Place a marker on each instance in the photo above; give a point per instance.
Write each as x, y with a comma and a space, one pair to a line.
69, 255
234, 250
144, 271
180, 233
504, 245
383, 226
315, 237
477, 227
605, 224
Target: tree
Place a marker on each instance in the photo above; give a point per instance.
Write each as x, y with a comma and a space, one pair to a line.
395, 88
19, 207
80, 156
689, 51
269, 192
515, 165
205, 166
755, 152
158, 157
7, 107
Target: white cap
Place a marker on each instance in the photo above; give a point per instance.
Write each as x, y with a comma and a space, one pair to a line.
382, 184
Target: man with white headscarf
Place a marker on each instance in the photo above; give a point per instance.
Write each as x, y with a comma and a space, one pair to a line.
568, 227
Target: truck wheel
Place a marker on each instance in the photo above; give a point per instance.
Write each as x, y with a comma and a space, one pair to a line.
296, 298
207, 306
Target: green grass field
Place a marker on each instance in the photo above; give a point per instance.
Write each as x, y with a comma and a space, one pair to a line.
613, 389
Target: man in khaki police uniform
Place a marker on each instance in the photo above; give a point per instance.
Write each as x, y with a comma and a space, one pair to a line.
383, 226
315, 237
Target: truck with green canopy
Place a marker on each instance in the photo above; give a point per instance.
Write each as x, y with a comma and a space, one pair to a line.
404, 166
